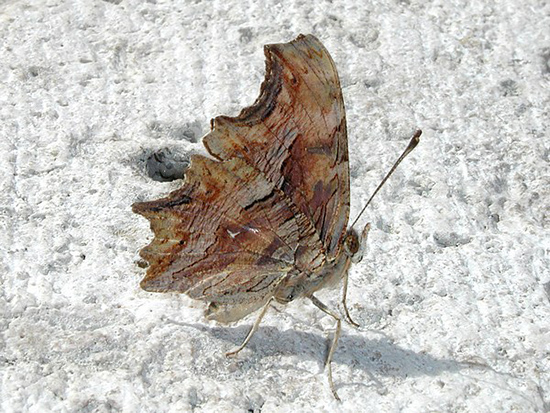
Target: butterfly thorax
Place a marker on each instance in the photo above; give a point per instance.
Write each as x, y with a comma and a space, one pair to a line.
302, 284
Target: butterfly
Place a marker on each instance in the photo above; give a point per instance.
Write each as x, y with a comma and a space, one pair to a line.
265, 217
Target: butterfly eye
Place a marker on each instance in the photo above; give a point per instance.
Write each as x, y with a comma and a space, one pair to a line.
352, 243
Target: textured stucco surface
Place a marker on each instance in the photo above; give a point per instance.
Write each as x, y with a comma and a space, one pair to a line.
453, 293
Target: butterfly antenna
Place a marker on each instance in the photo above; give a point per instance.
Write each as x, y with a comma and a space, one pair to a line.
412, 144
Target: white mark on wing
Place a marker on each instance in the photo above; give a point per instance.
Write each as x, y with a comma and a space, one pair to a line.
233, 234
254, 230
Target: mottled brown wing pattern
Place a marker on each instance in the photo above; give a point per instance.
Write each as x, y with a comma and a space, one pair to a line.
295, 134
227, 236
274, 204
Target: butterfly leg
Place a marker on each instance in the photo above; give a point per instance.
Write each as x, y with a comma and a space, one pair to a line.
344, 296
325, 309
252, 330
356, 258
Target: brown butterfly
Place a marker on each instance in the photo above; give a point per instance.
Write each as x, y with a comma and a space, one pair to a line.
267, 218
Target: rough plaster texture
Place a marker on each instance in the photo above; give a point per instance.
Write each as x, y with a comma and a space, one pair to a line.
453, 294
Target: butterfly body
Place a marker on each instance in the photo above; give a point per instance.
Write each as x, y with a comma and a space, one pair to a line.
304, 284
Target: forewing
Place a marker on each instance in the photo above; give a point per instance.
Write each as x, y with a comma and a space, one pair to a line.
295, 134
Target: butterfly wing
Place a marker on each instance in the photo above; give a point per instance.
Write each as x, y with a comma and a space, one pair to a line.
276, 200
295, 134
227, 236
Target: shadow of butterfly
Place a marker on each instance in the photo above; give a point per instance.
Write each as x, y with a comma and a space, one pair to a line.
267, 217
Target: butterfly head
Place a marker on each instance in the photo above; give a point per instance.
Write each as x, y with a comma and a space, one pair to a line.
354, 244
